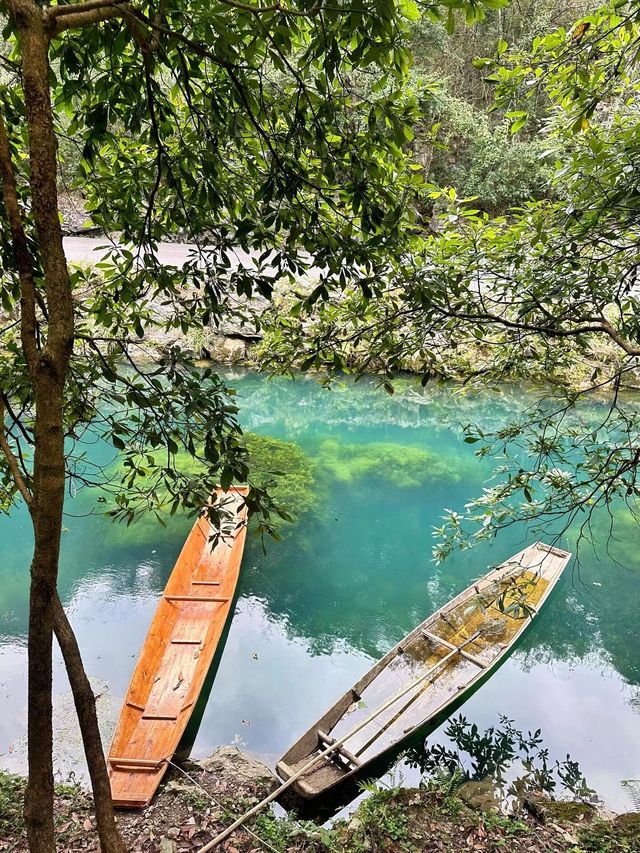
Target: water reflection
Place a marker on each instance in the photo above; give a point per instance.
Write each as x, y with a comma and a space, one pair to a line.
347, 582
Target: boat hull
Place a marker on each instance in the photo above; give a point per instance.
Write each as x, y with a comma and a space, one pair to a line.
177, 654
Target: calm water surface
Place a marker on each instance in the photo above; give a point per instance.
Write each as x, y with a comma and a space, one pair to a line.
347, 581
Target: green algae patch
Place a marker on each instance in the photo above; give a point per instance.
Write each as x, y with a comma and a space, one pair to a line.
401, 466
285, 471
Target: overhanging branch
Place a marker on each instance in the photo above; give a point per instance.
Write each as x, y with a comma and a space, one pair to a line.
28, 322
12, 462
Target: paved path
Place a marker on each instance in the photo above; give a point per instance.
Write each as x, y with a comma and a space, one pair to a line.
87, 250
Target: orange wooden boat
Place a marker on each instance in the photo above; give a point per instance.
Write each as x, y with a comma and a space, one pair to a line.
176, 655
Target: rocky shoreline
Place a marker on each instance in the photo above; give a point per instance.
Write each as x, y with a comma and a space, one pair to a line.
241, 341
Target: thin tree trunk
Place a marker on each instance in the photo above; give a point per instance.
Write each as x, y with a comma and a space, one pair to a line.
49, 375
48, 460
110, 839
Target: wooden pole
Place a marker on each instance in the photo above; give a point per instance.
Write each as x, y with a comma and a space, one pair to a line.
332, 748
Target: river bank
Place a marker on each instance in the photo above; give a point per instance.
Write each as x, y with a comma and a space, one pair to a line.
197, 802
247, 333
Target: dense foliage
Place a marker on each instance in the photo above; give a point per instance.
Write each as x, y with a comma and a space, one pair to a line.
548, 291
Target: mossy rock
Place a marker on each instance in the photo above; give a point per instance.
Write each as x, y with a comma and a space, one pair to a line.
621, 835
399, 465
559, 811
629, 823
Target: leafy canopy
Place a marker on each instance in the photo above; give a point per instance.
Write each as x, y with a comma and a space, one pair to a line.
235, 126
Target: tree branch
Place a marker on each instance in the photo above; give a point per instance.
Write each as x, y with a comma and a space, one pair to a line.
276, 7
12, 462
84, 18
59, 11
28, 322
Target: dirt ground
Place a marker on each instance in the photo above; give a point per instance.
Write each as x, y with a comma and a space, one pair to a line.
190, 809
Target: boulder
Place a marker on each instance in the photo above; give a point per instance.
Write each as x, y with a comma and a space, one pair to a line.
228, 763
481, 794
557, 811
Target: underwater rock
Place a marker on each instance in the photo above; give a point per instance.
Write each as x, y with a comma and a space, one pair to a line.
69, 761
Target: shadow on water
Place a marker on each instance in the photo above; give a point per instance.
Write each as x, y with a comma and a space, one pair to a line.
191, 732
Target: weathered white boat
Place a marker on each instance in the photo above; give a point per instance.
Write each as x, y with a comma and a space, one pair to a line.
431, 669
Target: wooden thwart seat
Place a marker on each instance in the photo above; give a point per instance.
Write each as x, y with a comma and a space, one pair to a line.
201, 598
442, 642
140, 764
159, 716
326, 740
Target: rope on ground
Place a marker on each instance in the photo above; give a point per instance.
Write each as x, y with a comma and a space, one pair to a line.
219, 804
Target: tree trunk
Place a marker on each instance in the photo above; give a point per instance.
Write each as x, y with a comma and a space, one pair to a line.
38, 810
49, 368
48, 462
110, 840
48, 498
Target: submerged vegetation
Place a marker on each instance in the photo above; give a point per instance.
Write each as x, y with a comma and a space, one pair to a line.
280, 466
398, 465
299, 482
286, 471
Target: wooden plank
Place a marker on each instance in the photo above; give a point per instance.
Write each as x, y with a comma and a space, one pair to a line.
195, 598
159, 716
176, 656
136, 762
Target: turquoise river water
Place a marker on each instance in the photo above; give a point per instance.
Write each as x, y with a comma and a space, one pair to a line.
347, 581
